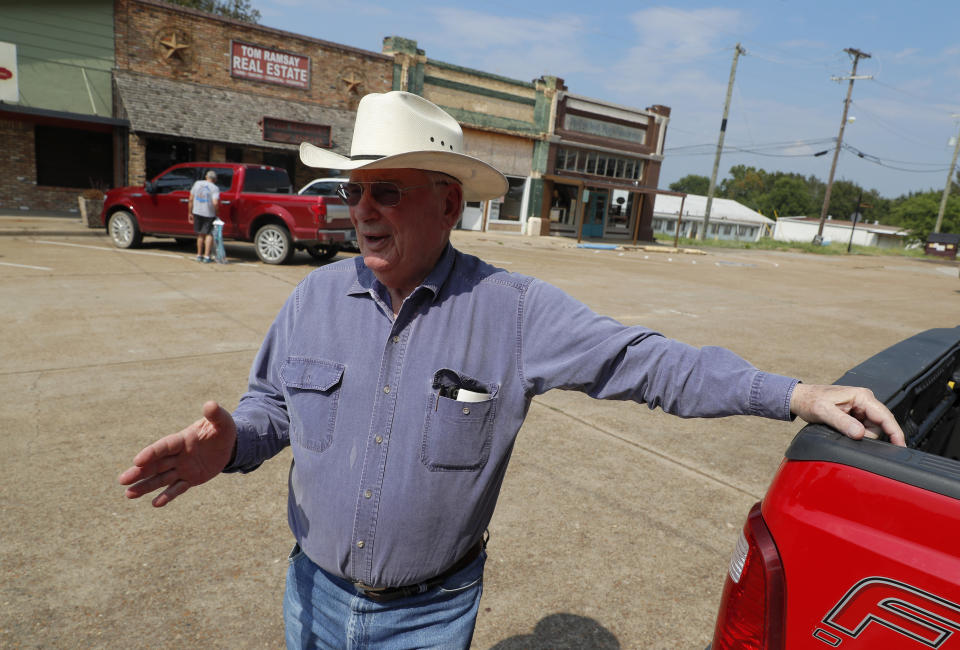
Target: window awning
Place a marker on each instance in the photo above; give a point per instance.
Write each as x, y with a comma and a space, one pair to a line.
188, 110
80, 118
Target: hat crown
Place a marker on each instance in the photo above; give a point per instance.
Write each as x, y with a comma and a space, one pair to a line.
400, 130
399, 122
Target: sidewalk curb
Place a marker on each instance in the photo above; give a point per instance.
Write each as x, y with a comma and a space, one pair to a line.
36, 232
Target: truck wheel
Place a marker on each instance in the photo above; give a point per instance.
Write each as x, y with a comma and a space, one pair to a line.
322, 253
123, 230
273, 244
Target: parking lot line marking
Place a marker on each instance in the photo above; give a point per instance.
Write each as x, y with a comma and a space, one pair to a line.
26, 266
107, 248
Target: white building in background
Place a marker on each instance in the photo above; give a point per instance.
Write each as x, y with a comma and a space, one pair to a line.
728, 219
803, 229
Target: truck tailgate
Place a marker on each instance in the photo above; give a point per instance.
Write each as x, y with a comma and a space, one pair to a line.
869, 562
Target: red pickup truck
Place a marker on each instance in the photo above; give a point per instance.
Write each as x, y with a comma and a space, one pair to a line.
256, 206
856, 544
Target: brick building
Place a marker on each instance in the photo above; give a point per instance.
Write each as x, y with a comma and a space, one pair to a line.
602, 169
200, 87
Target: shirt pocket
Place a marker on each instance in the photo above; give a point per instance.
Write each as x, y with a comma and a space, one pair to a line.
312, 390
457, 436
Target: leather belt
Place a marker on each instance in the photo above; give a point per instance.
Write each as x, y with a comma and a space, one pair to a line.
386, 594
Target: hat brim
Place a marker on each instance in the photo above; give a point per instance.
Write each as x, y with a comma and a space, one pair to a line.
480, 181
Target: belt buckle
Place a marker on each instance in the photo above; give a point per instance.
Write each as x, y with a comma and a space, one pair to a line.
364, 587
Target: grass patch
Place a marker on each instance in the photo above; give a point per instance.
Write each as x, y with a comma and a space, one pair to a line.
833, 248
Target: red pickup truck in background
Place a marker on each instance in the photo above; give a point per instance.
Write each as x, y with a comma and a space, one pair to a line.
256, 205
856, 544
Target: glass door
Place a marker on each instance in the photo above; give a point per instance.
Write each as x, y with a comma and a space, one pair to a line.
594, 210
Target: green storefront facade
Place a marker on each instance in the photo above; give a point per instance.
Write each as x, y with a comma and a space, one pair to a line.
61, 129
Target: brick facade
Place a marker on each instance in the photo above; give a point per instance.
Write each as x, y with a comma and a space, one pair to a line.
174, 83
141, 25
18, 174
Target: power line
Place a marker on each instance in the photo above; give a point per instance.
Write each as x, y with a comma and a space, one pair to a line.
861, 154
876, 160
781, 144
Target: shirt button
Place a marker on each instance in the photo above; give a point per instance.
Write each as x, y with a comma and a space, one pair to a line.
378, 439
396, 339
466, 411
368, 494
386, 389
360, 544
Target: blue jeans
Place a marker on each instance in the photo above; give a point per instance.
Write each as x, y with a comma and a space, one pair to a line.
321, 610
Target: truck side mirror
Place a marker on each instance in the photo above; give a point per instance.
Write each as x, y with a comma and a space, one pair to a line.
150, 187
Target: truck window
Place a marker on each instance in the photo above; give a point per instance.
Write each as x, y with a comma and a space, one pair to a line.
224, 177
270, 181
322, 189
176, 179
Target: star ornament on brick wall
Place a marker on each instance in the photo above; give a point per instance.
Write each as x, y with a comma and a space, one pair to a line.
352, 82
173, 48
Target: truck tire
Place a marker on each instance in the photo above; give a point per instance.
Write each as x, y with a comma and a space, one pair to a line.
123, 230
273, 244
323, 252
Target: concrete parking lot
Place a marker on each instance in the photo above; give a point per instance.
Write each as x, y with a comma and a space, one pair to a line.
615, 524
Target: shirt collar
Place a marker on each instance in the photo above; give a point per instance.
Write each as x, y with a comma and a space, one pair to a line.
367, 282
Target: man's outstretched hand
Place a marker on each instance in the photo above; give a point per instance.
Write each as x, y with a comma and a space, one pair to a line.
852, 411
185, 459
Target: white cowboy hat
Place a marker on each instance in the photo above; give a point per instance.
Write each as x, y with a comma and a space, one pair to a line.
401, 130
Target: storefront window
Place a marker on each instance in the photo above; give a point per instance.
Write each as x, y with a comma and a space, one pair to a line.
89, 163
166, 153
600, 164
563, 204
619, 211
509, 209
591, 163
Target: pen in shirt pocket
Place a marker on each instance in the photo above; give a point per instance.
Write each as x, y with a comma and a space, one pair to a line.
460, 395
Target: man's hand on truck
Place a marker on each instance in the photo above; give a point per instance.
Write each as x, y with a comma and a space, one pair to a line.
852, 411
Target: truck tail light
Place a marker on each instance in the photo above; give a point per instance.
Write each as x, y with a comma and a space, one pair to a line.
752, 608
320, 211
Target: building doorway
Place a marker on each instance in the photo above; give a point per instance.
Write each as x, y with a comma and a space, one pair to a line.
472, 218
594, 211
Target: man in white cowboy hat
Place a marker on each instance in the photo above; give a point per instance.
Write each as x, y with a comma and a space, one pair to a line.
400, 379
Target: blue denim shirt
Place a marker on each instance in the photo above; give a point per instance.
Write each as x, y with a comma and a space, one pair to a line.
393, 478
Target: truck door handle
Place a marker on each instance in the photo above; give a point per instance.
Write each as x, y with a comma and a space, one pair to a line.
184, 200
225, 202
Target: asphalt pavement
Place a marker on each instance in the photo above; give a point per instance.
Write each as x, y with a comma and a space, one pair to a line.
615, 524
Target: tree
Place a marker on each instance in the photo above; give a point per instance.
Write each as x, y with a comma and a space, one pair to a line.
238, 9
788, 197
918, 214
746, 186
843, 199
692, 184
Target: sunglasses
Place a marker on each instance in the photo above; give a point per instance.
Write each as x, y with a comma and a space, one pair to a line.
383, 192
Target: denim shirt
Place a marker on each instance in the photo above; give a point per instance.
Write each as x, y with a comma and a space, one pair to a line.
393, 477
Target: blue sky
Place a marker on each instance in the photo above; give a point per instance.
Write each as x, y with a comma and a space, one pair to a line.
784, 107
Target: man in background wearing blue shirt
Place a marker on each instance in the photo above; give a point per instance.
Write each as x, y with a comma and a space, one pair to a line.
400, 379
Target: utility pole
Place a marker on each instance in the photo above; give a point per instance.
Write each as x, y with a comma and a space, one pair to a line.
946, 190
857, 55
737, 51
